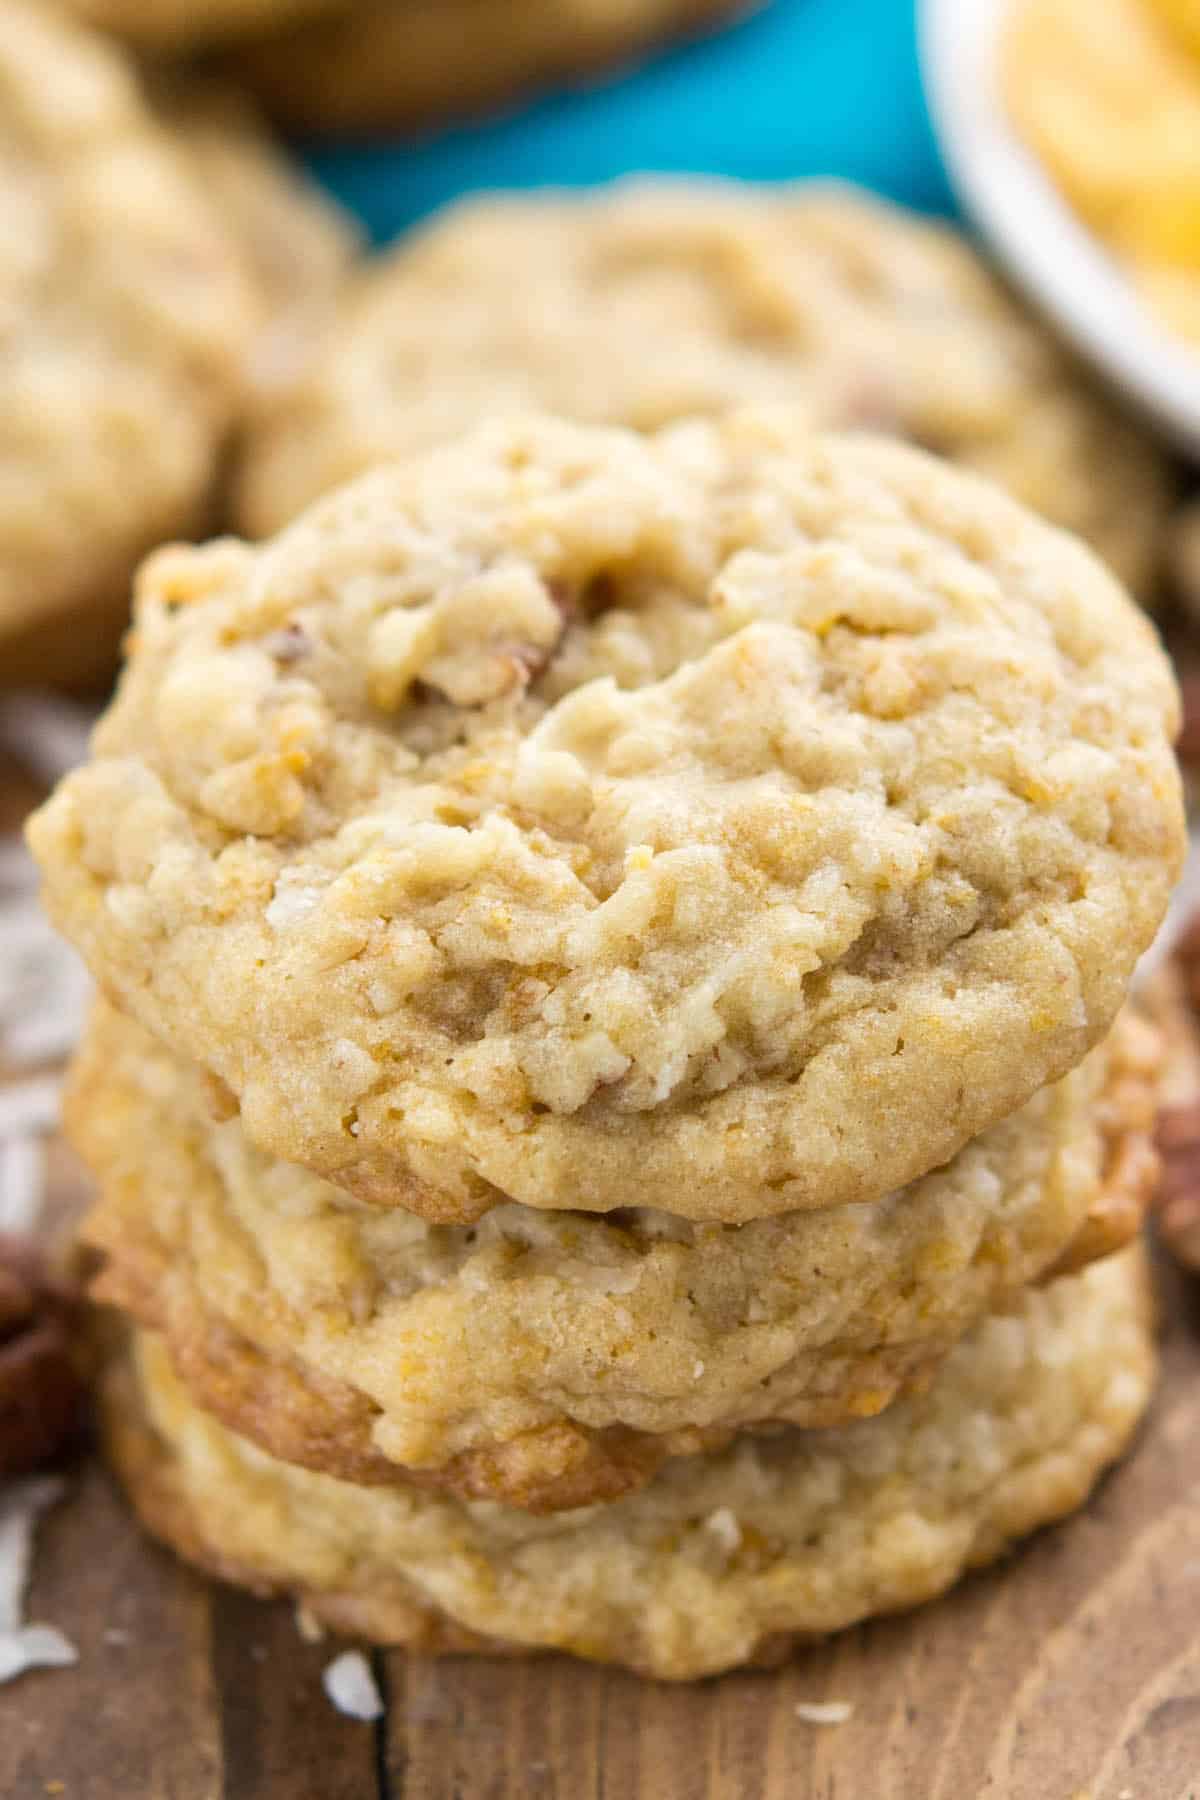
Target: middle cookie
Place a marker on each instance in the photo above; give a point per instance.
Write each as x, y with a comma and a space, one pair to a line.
550, 1360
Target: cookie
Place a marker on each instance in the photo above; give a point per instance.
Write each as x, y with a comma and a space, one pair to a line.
124, 320
734, 819
176, 26
643, 303
397, 65
297, 244
723, 1560
554, 1359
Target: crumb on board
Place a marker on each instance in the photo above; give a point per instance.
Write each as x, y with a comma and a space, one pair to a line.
824, 1712
308, 1625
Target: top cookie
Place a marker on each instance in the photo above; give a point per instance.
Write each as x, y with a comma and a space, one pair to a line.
123, 322
728, 822
642, 304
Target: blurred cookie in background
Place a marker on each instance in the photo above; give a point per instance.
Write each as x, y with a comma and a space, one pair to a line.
395, 65
125, 320
298, 244
177, 26
652, 301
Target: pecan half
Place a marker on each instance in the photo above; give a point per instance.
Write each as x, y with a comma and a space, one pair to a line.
41, 1391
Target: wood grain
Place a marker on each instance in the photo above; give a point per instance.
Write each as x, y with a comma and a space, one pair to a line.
1073, 1673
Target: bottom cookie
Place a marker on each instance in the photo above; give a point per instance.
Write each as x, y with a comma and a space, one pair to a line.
723, 1560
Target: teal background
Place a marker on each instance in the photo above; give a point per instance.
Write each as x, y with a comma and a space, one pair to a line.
801, 87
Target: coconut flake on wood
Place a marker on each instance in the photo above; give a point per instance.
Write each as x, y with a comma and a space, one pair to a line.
352, 1687
824, 1712
22, 1646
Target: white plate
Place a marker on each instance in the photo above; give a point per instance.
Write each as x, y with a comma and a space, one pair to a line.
1005, 190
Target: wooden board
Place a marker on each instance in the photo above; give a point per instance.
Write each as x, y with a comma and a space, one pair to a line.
1072, 1673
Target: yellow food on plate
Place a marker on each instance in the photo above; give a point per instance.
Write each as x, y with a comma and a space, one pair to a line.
1182, 17
1109, 98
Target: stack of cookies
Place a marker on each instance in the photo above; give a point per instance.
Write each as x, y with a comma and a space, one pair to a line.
616, 1120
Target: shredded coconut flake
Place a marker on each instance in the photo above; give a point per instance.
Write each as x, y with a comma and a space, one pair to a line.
824, 1712
43, 985
22, 1181
288, 905
29, 1107
24, 1646
34, 1647
723, 1526
352, 1687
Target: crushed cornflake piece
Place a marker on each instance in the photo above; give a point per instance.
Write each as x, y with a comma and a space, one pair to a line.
23, 1646
351, 1686
824, 1712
